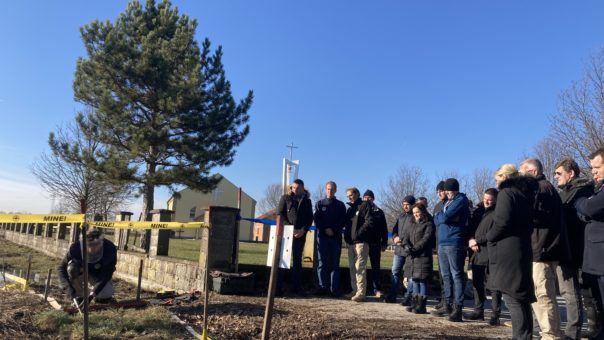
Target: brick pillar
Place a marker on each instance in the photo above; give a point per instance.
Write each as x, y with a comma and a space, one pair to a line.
160, 239
219, 241
121, 235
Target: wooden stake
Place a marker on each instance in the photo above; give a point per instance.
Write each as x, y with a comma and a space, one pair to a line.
272, 285
47, 286
140, 278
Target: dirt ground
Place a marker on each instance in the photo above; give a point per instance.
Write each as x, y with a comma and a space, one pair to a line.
241, 317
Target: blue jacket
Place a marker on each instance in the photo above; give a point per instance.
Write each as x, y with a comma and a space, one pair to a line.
452, 222
330, 213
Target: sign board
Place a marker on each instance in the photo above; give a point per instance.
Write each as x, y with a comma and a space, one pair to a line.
286, 246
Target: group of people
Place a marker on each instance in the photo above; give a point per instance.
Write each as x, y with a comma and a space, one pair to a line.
524, 241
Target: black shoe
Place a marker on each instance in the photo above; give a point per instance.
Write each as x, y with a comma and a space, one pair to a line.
444, 310
476, 314
413, 303
494, 320
456, 314
420, 306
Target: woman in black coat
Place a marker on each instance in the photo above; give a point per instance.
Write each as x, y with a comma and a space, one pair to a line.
480, 261
510, 251
418, 242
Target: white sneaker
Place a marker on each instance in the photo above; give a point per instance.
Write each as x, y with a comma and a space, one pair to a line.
378, 294
358, 298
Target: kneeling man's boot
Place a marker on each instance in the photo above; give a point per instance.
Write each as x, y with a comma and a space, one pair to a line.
456, 314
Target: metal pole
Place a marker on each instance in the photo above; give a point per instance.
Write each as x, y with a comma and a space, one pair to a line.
206, 296
272, 285
140, 278
85, 264
28, 271
46, 287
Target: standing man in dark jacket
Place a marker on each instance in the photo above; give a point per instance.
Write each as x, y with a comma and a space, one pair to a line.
377, 245
591, 210
547, 249
295, 208
451, 224
510, 251
102, 259
368, 231
480, 261
398, 261
330, 218
354, 201
571, 188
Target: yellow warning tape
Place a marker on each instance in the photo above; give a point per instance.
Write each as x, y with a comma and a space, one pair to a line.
41, 218
17, 279
146, 225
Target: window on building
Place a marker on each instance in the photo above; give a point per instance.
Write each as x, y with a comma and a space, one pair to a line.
192, 212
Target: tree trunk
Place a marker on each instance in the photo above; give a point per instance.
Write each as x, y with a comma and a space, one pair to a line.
148, 201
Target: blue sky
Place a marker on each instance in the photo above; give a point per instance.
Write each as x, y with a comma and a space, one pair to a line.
361, 87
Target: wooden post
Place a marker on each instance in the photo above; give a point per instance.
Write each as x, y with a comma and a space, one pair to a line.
236, 247
272, 285
206, 286
140, 278
85, 264
28, 271
46, 287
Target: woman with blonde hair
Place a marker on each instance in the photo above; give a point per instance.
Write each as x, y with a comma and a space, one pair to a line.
509, 244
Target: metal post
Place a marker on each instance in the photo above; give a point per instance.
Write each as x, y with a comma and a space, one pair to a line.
272, 285
47, 286
85, 264
28, 272
140, 278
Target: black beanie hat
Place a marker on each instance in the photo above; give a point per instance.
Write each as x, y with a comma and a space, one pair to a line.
451, 184
440, 186
369, 193
409, 199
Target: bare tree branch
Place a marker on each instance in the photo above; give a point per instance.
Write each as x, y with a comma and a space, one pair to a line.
406, 181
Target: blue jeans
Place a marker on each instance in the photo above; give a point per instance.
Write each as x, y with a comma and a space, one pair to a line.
398, 262
419, 287
375, 276
328, 269
451, 261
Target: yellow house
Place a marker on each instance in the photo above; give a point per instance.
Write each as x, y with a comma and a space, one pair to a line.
189, 204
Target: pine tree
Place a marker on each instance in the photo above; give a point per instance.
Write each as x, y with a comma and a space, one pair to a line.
162, 105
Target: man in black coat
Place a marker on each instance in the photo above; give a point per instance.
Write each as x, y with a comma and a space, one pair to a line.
370, 236
591, 210
102, 259
547, 249
330, 218
354, 201
398, 260
295, 208
571, 188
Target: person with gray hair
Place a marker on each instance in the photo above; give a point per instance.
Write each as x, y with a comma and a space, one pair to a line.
547, 249
330, 218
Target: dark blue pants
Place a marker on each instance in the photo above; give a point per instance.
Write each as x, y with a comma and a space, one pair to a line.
451, 261
398, 262
328, 270
522, 317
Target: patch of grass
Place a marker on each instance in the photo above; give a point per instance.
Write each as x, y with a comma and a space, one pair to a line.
14, 258
251, 253
151, 323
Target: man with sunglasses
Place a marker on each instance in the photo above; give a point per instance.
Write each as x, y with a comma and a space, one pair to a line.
102, 259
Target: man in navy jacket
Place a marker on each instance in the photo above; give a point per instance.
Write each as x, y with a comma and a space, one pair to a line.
451, 224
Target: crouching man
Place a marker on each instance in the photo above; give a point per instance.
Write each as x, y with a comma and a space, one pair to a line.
102, 258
